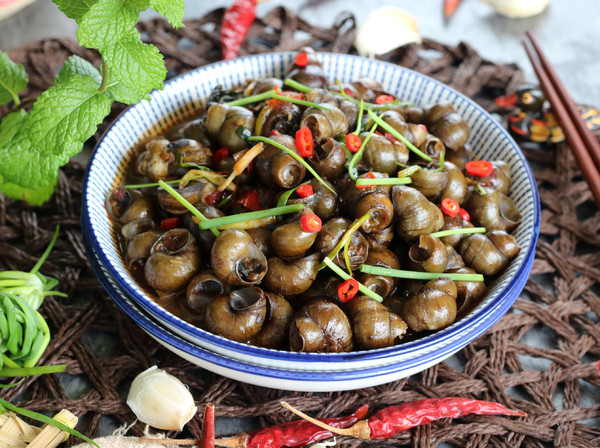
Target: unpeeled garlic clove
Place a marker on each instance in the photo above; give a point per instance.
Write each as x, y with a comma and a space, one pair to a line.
518, 9
161, 400
385, 29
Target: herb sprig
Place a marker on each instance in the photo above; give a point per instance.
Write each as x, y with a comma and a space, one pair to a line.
35, 145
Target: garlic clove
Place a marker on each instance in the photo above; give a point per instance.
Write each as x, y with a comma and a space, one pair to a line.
161, 400
518, 9
385, 29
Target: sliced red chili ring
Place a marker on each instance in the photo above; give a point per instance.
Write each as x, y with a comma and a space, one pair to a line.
311, 223
450, 207
304, 142
353, 142
305, 191
464, 214
479, 168
347, 290
274, 132
170, 223
383, 99
301, 60
348, 91
219, 155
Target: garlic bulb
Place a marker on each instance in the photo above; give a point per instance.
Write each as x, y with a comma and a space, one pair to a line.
160, 400
518, 9
385, 29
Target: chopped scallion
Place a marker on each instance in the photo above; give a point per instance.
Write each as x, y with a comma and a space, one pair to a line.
346, 237
462, 230
399, 273
358, 155
241, 217
384, 181
183, 201
399, 136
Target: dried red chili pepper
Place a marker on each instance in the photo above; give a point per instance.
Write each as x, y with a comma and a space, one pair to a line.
304, 142
293, 434
311, 223
305, 191
235, 25
219, 155
383, 99
464, 214
450, 207
170, 223
353, 142
347, 290
392, 420
479, 168
207, 437
214, 198
249, 199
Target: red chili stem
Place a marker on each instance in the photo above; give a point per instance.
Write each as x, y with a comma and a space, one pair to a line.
293, 434
207, 437
234, 28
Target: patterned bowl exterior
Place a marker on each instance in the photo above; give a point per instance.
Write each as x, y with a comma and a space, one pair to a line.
184, 95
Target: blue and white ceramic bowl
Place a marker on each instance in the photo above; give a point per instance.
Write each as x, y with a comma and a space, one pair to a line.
185, 95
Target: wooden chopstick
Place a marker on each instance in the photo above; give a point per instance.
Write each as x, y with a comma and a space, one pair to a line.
582, 142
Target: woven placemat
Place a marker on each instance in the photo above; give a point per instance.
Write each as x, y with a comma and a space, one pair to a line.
560, 300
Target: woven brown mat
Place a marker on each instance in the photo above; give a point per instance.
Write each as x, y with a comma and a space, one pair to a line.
560, 301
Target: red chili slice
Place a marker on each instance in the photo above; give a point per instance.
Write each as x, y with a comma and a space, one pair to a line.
170, 223
214, 198
383, 99
353, 142
479, 168
392, 139
347, 290
311, 223
249, 199
450, 207
219, 155
305, 191
301, 60
464, 214
304, 142
348, 91
274, 132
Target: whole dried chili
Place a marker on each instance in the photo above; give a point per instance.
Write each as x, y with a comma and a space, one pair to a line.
207, 437
293, 434
235, 25
392, 420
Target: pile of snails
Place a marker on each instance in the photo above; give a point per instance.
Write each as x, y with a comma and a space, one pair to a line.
348, 197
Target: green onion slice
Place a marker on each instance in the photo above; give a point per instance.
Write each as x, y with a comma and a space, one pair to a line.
384, 181
399, 136
346, 237
464, 230
399, 273
183, 201
286, 194
296, 85
241, 217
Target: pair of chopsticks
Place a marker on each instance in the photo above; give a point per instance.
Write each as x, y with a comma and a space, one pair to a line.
582, 142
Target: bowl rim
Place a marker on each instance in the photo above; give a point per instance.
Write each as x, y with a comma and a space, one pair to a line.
146, 321
489, 314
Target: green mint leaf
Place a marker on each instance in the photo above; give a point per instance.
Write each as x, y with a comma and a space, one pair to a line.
66, 114
172, 10
124, 94
75, 65
135, 65
141, 5
25, 173
13, 79
74, 9
106, 21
